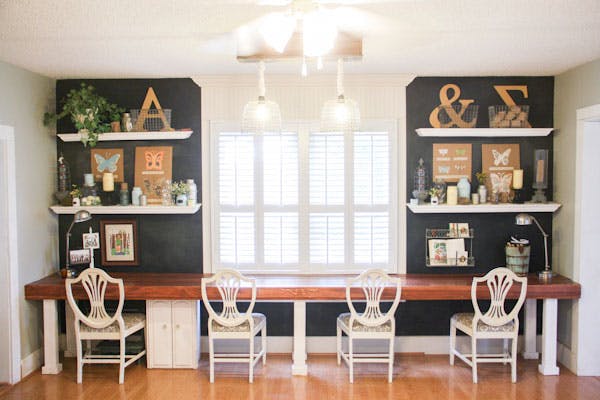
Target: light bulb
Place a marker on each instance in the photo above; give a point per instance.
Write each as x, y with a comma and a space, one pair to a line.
341, 113
262, 112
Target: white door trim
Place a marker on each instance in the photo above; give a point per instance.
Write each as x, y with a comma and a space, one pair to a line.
7, 142
582, 308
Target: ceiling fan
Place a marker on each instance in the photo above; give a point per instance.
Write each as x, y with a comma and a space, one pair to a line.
306, 29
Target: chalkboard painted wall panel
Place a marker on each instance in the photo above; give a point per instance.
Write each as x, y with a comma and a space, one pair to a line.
167, 243
491, 230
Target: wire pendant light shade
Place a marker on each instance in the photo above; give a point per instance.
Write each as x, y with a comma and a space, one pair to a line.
261, 115
340, 114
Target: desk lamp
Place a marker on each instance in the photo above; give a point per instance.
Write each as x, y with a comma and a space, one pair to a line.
80, 216
526, 219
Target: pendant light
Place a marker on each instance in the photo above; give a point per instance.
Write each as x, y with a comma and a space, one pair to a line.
341, 114
261, 115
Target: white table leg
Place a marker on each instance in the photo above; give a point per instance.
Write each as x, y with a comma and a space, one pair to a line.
70, 351
51, 364
549, 328
530, 330
299, 355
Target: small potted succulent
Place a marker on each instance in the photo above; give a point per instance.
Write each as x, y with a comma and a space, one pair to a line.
482, 190
88, 111
180, 190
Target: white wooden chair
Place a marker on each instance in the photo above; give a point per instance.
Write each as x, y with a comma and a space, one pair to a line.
372, 323
98, 325
231, 324
494, 324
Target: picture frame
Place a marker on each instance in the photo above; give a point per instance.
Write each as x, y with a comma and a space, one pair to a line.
80, 257
91, 240
119, 242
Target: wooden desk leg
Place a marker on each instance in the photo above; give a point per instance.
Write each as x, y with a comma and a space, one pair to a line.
549, 328
530, 330
299, 355
51, 364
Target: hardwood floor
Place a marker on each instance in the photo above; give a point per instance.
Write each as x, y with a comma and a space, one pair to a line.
415, 377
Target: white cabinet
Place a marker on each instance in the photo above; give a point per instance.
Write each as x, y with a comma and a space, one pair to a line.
173, 333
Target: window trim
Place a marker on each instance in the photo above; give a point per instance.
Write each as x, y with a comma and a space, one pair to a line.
397, 212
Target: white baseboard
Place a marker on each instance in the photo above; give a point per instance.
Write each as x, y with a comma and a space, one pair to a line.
403, 344
566, 357
30, 363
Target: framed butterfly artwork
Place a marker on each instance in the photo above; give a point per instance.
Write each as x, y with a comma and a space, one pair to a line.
107, 160
153, 166
451, 161
499, 161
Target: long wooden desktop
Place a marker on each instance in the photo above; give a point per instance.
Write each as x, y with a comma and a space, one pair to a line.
301, 288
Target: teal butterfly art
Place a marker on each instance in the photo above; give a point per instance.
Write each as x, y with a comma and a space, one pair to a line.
107, 164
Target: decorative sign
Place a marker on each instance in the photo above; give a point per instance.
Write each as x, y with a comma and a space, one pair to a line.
107, 160
145, 114
153, 166
499, 161
455, 113
451, 161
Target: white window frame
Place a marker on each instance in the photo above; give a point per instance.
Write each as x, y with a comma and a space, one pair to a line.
210, 195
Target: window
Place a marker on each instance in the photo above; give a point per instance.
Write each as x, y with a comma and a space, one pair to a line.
304, 201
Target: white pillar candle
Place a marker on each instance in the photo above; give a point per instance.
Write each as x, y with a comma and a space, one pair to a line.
452, 195
518, 179
108, 182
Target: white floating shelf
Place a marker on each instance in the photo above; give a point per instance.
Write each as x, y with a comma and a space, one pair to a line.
114, 136
128, 209
483, 208
483, 132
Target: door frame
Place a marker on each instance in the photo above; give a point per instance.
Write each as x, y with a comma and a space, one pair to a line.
7, 145
585, 116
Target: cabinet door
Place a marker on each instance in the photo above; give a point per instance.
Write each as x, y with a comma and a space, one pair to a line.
185, 334
160, 336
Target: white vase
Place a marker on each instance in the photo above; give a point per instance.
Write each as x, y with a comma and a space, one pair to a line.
434, 200
482, 194
181, 200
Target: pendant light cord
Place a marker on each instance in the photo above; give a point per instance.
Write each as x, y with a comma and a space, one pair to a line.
340, 78
261, 80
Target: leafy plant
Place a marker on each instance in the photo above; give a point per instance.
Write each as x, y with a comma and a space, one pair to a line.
481, 177
113, 112
89, 112
434, 191
179, 187
75, 191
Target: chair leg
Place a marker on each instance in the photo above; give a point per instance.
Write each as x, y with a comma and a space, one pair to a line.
351, 359
505, 349
251, 367
474, 358
452, 341
513, 360
211, 358
391, 360
264, 344
338, 342
121, 360
79, 347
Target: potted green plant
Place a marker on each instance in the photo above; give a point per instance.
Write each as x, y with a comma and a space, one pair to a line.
435, 194
88, 112
482, 190
180, 189
113, 114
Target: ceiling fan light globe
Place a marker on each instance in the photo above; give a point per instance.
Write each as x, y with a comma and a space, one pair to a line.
319, 32
277, 29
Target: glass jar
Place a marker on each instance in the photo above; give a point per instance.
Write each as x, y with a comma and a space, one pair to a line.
127, 124
90, 196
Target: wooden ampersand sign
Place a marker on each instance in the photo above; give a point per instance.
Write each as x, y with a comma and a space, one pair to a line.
446, 104
144, 112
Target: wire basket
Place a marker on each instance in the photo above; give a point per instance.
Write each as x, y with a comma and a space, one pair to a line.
457, 116
153, 122
504, 116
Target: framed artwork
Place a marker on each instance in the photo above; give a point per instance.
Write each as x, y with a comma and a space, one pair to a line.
451, 161
119, 242
107, 160
153, 166
499, 161
463, 230
79, 257
91, 240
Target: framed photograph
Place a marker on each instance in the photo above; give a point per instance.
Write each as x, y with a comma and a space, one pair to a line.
119, 242
79, 257
91, 240
463, 230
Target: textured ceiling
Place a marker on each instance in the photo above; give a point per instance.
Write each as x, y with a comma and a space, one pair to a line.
168, 38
